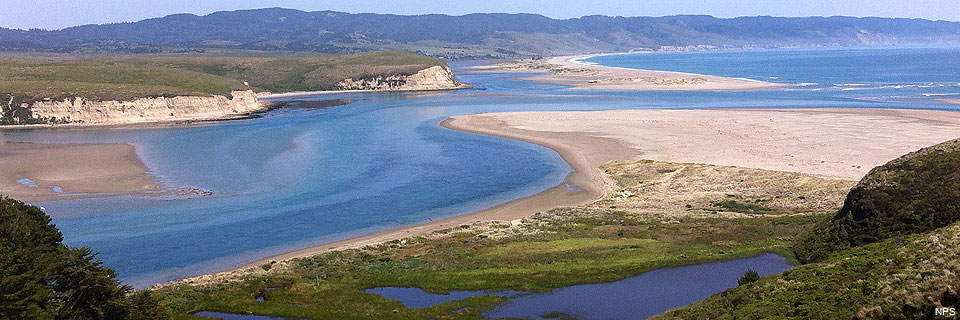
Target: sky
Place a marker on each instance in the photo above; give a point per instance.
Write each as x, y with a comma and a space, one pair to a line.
57, 14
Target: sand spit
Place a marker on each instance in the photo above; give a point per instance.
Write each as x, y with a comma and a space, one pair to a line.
831, 143
569, 70
37, 172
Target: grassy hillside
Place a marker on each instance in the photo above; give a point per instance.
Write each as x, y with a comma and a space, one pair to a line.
675, 220
904, 278
135, 77
915, 193
891, 252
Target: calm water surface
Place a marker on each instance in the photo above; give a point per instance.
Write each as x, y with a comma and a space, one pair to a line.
636, 297
643, 296
301, 177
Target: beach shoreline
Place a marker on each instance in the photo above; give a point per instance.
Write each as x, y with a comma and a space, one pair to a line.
572, 71
41, 172
951, 101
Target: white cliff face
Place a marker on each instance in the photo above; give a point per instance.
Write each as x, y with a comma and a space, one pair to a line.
194, 108
432, 78
162, 109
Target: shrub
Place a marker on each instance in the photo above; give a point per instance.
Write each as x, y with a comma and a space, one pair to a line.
748, 277
915, 193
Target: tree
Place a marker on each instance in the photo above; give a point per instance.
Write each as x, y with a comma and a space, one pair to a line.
41, 278
30, 248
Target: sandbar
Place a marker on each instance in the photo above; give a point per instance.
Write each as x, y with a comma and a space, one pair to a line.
568, 70
839, 144
38, 172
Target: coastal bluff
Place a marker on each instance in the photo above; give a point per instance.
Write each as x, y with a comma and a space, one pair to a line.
432, 78
131, 90
238, 104
147, 110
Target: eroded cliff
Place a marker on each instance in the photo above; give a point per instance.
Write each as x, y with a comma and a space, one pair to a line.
143, 110
432, 78
81, 110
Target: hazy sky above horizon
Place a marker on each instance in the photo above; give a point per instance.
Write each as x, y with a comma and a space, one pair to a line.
56, 14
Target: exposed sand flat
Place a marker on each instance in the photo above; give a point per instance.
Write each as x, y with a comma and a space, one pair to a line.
953, 101
830, 143
36, 172
563, 70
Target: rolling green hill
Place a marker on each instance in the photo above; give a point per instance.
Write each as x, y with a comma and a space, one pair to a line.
915, 193
472, 36
122, 78
891, 252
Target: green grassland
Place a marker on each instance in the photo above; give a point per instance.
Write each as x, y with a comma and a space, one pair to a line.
122, 78
891, 252
570, 247
904, 278
587, 244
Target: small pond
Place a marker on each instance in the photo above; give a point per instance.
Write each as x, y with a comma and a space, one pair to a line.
231, 316
637, 297
416, 298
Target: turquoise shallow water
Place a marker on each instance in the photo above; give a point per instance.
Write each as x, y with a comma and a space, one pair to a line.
301, 177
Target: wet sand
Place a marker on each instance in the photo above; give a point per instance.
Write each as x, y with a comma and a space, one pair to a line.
37, 172
567, 70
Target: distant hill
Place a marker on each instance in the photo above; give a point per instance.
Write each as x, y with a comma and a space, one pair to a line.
470, 36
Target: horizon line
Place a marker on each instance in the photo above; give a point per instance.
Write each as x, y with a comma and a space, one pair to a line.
468, 14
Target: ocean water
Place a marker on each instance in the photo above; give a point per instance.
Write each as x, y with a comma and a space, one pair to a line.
298, 177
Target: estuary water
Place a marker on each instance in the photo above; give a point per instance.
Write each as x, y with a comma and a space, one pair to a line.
298, 177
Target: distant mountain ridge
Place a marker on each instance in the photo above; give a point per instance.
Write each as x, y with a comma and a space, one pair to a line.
472, 35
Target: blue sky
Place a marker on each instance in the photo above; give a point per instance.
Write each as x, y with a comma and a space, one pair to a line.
55, 14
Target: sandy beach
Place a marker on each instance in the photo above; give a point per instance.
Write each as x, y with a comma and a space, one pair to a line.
830, 143
36, 172
567, 70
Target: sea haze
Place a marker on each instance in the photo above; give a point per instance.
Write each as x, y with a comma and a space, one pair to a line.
299, 177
